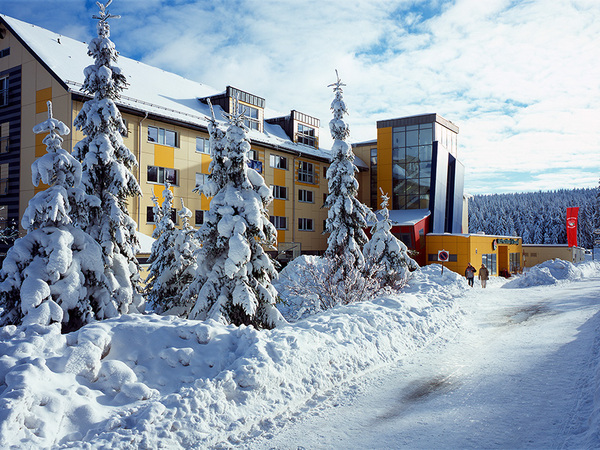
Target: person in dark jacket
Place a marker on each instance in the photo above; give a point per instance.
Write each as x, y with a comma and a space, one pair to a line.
484, 275
470, 272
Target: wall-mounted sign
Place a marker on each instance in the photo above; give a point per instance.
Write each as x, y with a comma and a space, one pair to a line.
494, 244
512, 241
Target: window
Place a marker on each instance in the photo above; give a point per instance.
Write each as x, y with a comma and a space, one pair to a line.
278, 162
4, 137
279, 192
4, 91
489, 260
325, 171
306, 135
3, 216
253, 162
199, 217
305, 225
306, 196
279, 222
251, 115
201, 179
514, 262
4, 52
163, 175
4, 179
150, 215
202, 145
306, 172
162, 136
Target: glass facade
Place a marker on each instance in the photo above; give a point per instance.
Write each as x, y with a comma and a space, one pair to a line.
412, 149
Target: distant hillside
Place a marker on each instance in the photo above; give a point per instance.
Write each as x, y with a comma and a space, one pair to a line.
538, 217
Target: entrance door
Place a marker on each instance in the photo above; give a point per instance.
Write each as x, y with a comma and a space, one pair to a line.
502, 259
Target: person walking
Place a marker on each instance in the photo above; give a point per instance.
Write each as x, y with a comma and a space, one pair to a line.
470, 274
484, 275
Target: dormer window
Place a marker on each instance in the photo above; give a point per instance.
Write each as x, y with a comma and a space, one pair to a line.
251, 105
251, 115
306, 135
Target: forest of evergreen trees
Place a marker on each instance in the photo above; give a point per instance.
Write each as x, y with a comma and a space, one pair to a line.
538, 217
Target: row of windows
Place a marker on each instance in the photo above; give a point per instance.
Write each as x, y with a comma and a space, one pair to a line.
304, 195
198, 216
412, 135
281, 223
410, 201
163, 137
412, 154
401, 171
170, 138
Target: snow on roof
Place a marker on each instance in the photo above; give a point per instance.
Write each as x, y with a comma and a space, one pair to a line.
405, 217
150, 89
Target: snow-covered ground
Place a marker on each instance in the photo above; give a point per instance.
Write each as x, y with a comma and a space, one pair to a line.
438, 365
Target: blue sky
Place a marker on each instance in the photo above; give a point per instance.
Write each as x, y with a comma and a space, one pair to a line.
520, 78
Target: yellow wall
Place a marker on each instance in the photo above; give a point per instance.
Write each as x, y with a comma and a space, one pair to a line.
470, 248
384, 161
37, 87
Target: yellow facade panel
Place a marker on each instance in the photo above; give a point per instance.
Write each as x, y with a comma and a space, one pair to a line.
204, 203
164, 156
384, 161
278, 207
41, 97
40, 147
281, 236
204, 163
279, 177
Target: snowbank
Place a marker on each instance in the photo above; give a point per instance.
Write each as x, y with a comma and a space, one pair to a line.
553, 272
152, 381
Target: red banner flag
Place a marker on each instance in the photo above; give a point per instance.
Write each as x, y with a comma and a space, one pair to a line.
572, 214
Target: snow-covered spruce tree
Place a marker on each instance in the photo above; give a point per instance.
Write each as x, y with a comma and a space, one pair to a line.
217, 180
53, 274
107, 175
172, 259
386, 253
347, 216
160, 289
237, 272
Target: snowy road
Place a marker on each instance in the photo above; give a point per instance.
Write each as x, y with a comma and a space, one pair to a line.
518, 374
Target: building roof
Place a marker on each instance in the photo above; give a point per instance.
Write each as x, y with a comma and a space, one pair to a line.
416, 120
408, 217
153, 90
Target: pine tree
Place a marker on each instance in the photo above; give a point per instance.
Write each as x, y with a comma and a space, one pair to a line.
386, 253
54, 274
237, 272
107, 165
160, 290
217, 179
347, 216
172, 259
